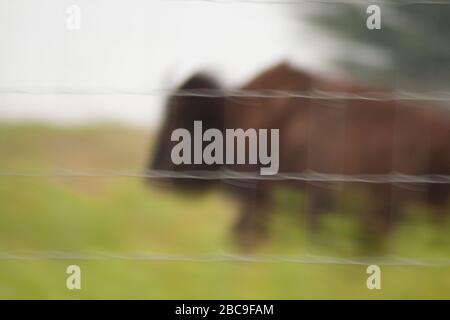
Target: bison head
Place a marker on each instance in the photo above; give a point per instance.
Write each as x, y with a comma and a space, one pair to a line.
183, 108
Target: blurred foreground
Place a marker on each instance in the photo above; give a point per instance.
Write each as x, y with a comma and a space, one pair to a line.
90, 215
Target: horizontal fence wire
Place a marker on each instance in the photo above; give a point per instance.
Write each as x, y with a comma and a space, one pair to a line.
228, 257
298, 2
307, 176
401, 95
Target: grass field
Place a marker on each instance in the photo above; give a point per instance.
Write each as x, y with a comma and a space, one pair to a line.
98, 214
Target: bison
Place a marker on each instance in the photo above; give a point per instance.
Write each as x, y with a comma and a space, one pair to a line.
346, 136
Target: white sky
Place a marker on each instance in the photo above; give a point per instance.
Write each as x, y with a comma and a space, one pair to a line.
135, 45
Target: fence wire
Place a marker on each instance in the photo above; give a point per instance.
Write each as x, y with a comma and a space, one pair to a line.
396, 95
228, 258
299, 2
306, 176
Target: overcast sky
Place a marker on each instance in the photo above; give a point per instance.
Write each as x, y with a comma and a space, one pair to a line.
135, 46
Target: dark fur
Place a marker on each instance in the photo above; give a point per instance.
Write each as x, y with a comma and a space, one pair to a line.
347, 137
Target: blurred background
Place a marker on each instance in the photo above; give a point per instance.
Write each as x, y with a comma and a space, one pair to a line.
92, 99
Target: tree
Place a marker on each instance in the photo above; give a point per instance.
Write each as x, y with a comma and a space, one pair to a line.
414, 39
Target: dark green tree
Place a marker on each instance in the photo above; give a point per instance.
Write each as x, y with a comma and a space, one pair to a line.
415, 39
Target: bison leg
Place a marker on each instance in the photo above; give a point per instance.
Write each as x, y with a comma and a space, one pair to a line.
321, 200
252, 223
379, 217
438, 200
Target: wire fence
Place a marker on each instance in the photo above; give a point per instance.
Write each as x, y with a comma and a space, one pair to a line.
307, 176
229, 258
396, 95
299, 2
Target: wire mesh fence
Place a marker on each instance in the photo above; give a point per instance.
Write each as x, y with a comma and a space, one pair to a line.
307, 176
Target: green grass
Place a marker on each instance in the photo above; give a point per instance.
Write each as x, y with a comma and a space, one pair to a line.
92, 215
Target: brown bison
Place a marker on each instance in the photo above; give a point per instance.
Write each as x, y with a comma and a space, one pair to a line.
350, 137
